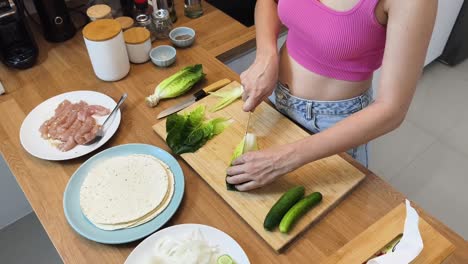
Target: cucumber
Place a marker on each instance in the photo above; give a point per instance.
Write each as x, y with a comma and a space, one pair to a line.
298, 210
287, 200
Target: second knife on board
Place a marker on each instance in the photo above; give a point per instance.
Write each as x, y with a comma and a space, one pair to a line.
195, 97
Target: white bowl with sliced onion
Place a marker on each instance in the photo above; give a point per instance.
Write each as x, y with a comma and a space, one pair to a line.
187, 244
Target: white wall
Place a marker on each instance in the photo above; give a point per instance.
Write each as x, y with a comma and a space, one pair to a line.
447, 13
13, 204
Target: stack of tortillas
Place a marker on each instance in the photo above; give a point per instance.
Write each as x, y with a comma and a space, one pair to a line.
126, 191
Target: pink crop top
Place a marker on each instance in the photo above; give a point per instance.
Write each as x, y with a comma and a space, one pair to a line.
345, 45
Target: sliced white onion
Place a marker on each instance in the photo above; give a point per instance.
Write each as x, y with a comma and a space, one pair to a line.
192, 250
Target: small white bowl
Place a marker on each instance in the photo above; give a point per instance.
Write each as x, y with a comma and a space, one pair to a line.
163, 56
179, 31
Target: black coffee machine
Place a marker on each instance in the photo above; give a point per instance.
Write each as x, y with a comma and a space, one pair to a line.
57, 25
17, 46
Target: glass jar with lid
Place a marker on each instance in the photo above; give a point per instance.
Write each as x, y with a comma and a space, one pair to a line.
162, 23
143, 20
193, 8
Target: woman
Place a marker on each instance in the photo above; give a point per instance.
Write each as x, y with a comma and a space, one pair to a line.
321, 78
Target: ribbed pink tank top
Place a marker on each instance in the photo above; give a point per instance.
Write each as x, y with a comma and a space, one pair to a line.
345, 45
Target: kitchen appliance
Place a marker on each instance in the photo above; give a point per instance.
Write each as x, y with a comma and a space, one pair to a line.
57, 25
17, 46
456, 49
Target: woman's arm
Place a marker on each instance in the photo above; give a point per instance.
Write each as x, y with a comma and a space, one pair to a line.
267, 25
260, 79
409, 30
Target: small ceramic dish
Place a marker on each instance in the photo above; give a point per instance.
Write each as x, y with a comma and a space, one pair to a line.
182, 36
163, 56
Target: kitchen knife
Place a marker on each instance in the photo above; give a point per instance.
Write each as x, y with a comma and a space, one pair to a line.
247, 128
196, 96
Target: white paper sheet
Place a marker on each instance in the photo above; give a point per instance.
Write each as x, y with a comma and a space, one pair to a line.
410, 245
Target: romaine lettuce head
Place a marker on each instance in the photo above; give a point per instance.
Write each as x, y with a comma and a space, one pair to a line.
248, 143
176, 84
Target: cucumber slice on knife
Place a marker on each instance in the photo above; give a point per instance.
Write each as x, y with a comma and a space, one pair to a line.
298, 210
282, 206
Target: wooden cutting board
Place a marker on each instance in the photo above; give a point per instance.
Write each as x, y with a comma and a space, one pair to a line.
333, 177
359, 250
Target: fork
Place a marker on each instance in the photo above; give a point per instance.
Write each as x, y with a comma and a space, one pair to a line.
100, 132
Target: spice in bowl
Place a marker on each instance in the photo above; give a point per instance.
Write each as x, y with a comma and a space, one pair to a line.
182, 37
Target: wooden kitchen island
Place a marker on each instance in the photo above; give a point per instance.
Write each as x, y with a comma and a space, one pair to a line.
66, 67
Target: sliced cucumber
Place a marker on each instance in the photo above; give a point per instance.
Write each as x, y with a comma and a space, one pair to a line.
225, 259
279, 209
298, 210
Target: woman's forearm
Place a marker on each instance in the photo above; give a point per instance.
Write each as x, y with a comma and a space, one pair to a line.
357, 129
267, 26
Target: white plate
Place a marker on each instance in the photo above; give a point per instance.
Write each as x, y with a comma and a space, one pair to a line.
144, 251
32, 141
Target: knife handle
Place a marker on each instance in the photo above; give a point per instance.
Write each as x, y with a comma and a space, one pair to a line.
215, 86
211, 88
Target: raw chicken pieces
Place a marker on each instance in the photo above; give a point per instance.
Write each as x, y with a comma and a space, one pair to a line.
73, 124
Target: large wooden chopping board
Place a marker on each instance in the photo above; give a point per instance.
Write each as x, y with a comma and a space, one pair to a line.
359, 250
333, 177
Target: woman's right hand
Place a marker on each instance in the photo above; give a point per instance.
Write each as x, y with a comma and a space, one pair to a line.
259, 80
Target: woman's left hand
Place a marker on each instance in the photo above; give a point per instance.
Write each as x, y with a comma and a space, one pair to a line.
259, 168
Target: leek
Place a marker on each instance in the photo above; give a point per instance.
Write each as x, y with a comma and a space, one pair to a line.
248, 143
227, 97
176, 84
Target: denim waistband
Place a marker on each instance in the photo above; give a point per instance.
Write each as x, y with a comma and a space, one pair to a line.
339, 107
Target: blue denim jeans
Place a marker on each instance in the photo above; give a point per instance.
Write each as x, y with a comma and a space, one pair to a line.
317, 116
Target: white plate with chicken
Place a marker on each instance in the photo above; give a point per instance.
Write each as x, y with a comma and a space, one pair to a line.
63, 127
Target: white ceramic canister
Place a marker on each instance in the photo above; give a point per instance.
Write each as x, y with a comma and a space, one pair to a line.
101, 11
106, 49
138, 43
126, 22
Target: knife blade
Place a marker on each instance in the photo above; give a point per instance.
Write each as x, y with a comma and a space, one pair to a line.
247, 128
195, 97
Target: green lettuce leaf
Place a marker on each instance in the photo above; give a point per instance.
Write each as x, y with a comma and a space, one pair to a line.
227, 97
189, 132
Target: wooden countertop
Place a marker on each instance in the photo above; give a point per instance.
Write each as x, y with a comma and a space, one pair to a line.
65, 67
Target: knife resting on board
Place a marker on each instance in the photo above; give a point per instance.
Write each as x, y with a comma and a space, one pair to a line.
195, 97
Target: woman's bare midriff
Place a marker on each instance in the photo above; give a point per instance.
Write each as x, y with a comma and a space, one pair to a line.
309, 85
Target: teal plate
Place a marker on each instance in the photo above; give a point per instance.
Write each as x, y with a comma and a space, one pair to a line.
71, 197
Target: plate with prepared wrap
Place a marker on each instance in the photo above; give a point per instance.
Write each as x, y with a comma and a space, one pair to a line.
82, 225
